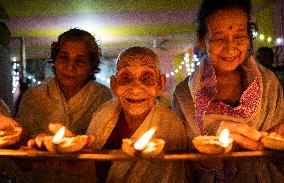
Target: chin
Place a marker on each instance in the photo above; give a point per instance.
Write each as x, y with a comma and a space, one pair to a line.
137, 110
227, 68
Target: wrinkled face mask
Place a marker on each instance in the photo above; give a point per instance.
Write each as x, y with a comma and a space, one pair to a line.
137, 83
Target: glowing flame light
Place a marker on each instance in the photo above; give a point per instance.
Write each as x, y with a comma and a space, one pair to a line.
224, 138
143, 141
59, 135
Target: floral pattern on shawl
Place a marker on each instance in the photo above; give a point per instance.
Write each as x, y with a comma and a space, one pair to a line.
205, 96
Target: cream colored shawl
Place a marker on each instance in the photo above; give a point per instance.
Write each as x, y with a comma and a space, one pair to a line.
169, 128
46, 103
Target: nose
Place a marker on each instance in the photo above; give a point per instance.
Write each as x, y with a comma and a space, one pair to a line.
230, 45
71, 65
136, 87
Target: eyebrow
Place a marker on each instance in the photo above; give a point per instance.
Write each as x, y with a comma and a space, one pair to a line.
217, 33
149, 65
242, 29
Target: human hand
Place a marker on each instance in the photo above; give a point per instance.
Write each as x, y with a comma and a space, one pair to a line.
90, 142
243, 135
54, 127
37, 142
279, 129
7, 123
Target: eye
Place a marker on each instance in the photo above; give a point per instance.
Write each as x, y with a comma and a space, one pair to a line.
82, 61
240, 37
62, 58
148, 79
124, 79
220, 39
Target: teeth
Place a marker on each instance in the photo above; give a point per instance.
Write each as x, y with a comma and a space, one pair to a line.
135, 101
229, 59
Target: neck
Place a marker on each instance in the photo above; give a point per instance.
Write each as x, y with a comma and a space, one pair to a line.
134, 121
229, 86
69, 92
228, 74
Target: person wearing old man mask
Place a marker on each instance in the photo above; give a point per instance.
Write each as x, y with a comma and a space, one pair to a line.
134, 111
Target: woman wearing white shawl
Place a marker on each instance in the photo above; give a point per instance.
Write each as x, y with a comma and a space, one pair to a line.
46, 103
230, 90
73, 95
135, 110
70, 99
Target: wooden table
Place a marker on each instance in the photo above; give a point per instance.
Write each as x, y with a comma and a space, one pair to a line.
110, 155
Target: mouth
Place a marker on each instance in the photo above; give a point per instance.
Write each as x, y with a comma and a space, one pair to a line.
229, 59
70, 77
131, 100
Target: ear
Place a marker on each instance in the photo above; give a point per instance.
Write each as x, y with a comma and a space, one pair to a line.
162, 84
201, 42
113, 84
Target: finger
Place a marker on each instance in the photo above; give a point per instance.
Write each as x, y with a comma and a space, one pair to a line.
247, 143
39, 140
90, 142
242, 129
279, 129
31, 144
7, 123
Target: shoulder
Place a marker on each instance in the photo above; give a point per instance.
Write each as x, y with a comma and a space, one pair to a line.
38, 91
98, 87
270, 81
182, 86
266, 73
41, 88
172, 129
167, 115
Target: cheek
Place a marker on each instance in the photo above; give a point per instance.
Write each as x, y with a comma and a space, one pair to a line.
59, 71
213, 53
82, 70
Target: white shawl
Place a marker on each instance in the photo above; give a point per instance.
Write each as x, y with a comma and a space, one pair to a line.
46, 103
169, 128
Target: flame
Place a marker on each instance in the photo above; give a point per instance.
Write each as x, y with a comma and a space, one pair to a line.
59, 135
142, 142
224, 138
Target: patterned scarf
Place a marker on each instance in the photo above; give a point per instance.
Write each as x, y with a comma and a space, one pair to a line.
204, 97
207, 92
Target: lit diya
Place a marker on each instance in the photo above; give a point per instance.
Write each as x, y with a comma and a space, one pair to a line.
10, 137
272, 140
62, 144
144, 146
214, 144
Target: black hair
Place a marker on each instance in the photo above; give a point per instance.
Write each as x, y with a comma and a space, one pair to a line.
265, 56
209, 7
90, 42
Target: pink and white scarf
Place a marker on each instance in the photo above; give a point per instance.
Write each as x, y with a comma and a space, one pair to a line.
205, 94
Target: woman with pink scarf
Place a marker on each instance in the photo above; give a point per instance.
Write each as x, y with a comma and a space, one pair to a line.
230, 90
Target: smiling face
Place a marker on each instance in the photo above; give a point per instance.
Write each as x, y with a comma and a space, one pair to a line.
137, 83
227, 39
72, 65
